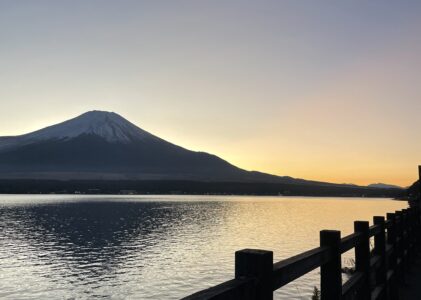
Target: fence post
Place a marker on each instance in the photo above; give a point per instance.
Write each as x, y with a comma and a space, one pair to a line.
331, 272
392, 261
259, 265
400, 245
362, 258
380, 249
417, 227
405, 235
409, 233
412, 232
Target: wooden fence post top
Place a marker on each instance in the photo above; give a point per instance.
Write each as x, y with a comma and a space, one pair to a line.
361, 226
251, 262
257, 264
255, 251
378, 220
331, 231
330, 238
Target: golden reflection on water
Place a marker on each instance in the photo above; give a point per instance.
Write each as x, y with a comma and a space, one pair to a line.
158, 247
293, 223
290, 225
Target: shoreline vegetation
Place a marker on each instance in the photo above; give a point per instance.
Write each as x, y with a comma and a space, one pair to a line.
180, 187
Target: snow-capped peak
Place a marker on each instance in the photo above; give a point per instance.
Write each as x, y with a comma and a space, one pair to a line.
108, 125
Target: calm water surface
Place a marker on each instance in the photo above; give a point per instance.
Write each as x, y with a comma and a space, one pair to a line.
157, 247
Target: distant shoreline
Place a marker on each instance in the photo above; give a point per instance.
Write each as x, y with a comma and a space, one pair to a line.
213, 195
181, 187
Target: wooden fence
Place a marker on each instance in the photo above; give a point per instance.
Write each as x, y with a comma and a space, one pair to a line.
378, 271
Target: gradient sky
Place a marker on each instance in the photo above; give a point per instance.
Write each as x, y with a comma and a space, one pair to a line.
324, 90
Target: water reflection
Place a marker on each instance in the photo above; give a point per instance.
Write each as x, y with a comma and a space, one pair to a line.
87, 233
92, 242
155, 247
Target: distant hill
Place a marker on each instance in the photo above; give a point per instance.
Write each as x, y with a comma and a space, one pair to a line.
384, 186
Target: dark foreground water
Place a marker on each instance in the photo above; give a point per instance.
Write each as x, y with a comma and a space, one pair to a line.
157, 247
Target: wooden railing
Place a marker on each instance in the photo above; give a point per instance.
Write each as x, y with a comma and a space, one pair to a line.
378, 271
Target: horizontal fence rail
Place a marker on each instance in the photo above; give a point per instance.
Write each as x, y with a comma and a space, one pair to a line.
379, 268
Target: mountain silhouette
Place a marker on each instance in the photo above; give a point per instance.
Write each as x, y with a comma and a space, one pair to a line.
100, 145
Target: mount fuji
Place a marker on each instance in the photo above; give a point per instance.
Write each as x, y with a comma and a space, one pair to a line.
101, 145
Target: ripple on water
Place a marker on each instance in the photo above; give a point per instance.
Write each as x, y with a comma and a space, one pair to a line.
67, 247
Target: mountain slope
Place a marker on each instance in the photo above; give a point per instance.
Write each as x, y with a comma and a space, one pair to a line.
100, 144
103, 151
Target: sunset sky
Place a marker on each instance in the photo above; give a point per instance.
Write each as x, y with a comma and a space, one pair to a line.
323, 90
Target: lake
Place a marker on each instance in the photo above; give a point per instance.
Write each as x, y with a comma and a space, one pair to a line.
158, 247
